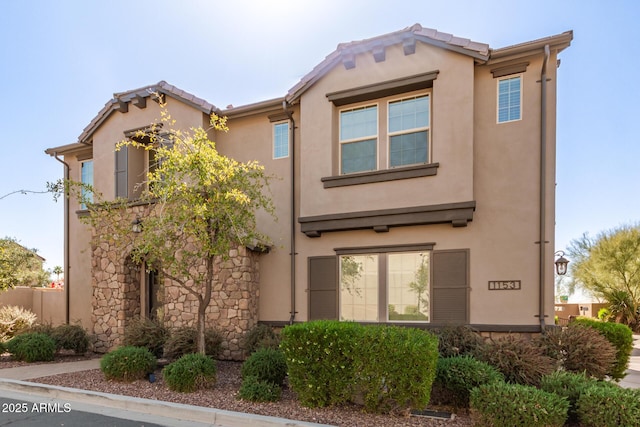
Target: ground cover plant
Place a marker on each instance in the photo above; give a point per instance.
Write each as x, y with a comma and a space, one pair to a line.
190, 372
32, 347
507, 405
128, 363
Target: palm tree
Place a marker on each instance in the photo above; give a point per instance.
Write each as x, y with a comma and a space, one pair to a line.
57, 270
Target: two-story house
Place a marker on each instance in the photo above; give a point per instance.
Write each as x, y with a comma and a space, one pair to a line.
416, 186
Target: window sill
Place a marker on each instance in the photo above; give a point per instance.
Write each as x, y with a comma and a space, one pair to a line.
381, 175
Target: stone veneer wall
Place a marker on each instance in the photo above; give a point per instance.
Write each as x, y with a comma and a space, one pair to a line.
117, 296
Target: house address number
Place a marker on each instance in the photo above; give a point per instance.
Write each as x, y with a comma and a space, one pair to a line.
504, 285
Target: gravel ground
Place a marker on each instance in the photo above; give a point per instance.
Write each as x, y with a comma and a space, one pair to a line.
224, 396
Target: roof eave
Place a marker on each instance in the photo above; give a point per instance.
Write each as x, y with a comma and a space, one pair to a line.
557, 42
67, 149
253, 109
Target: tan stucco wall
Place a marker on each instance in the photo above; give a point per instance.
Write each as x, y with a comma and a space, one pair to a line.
452, 134
249, 139
112, 131
47, 304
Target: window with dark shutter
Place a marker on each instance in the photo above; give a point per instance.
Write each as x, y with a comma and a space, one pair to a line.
450, 287
323, 287
122, 185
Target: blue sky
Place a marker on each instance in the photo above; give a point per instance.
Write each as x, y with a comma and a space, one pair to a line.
60, 61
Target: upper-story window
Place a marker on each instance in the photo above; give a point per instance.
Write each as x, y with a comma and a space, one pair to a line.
409, 131
391, 134
86, 177
281, 140
359, 139
509, 99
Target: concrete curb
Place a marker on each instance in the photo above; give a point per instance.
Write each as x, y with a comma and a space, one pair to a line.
176, 411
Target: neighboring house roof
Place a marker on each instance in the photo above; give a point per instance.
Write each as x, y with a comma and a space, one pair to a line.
407, 37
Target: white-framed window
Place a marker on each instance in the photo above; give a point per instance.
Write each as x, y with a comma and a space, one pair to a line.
408, 130
403, 295
509, 99
86, 178
359, 139
281, 140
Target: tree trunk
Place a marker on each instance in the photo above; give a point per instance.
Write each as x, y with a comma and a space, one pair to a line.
200, 343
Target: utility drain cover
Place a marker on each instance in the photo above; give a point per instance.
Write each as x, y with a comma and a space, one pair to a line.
427, 413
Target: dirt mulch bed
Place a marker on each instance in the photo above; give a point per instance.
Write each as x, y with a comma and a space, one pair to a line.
224, 395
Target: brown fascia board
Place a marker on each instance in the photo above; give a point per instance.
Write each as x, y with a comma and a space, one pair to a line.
63, 150
557, 42
271, 105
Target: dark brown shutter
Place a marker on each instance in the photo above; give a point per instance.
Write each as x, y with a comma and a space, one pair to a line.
450, 299
323, 287
122, 185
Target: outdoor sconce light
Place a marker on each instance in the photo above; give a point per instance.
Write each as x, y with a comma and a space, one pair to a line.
136, 225
561, 263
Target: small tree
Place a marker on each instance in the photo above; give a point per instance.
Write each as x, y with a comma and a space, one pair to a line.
609, 267
202, 205
19, 265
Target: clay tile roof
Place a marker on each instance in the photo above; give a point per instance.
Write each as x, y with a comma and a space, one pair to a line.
479, 51
161, 87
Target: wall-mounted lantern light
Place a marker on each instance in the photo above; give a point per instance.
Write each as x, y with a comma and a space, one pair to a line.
561, 263
136, 225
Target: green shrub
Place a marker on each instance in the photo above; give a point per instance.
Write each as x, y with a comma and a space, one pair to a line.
609, 407
256, 390
570, 385
3, 348
506, 405
520, 361
183, 341
458, 341
33, 347
13, 319
620, 336
320, 360
190, 372
266, 365
147, 333
128, 363
395, 368
604, 314
579, 349
40, 328
71, 337
260, 336
456, 376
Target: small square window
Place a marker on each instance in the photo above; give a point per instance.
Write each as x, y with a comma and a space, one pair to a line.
509, 99
281, 140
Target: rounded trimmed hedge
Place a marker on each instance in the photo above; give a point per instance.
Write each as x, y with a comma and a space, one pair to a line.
128, 364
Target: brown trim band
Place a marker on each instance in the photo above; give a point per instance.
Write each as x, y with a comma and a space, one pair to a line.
383, 89
458, 214
509, 69
380, 175
385, 249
